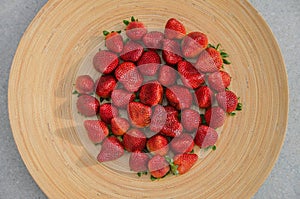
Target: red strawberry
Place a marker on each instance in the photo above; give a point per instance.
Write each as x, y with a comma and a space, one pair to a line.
149, 63
105, 86
190, 76
111, 149
219, 81
171, 52
128, 74
205, 136
183, 143
215, 117
185, 162
119, 125
190, 120
151, 93
193, 44
172, 127
84, 84
209, 61
179, 97
167, 75
153, 40
158, 166
135, 29
139, 114
107, 112
174, 29
227, 100
158, 118
171, 111
105, 62
120, 98
132, 51
204, 97
138, 161
113, 41
134, 140
158, 144
97, 130
87, 105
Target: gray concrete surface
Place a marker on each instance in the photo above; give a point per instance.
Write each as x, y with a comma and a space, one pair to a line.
283, 16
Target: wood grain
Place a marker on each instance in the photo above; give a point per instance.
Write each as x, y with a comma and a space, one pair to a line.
59, 40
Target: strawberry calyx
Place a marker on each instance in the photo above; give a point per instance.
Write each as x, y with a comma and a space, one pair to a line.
142, 173
222, 53
132, 19
173, 167
105, 32
213, 147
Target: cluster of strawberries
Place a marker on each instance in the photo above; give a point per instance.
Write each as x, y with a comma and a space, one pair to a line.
161, 81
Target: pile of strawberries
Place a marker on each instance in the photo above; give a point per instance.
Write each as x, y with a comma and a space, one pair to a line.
158, 95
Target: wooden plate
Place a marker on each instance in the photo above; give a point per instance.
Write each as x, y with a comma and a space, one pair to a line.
47, 62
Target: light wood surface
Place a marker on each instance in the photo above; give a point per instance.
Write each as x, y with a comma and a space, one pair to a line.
61, 38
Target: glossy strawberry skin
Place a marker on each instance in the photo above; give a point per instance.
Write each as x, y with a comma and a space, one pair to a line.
121, 98
204, 97
138, 161
119, 126
105, 62
151, 93
171, 52
153, 40
227, 100
215, 117
205, 136
193, 44
105, 86
111, 149
174, 29
189, 75
107, 112
179, 97
182, 144
167, 75
158, 166
219, 81
135, 30
149, 63
139, 114
158, 118
190, 120
185, 162
97, 130
134, 140
84, 84
87, 105
209, 61
114, 42
158, 144
172, 126
132, 51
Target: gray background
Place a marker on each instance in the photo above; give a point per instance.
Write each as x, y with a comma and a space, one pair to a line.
283, 16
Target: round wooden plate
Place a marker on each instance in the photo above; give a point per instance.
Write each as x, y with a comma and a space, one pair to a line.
47, 62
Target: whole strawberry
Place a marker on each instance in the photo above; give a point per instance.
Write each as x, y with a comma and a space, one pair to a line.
215, 117
120, 98
151, 93
119, 126
107, 112
174, 29
193, 44
87, 105
183, 143
178, 96
135, 29
134, 140
132, 51
167, 75
105, 85
219, 81
105, 62
158, 166
158, 118
97, 130
111, 149
171, 52
185, 162
204, 97
138, 161
139, 114
158, 144
153, 40
190, 120
149, 63
205, 136
190, 76
113, 41
227, 100
172, 127
209, 61
84, 84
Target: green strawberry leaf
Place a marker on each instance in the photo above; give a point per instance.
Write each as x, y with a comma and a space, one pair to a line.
119, 31
225, 61
239, 107
132, 18
120, 138
105, 32
126, 22
153, 178
192, 151
203, 121
232, 114
172, 165
75, 92
224, 55
213, 147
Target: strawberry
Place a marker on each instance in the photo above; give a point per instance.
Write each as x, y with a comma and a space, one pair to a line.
153, 40
139, 114
215, 117
135, 29
113, 41
151, 93
183, 143
174, 29
128, 74
219, 81
190, 120
185, 162
84, 84
158, 118
205, 136
190, 76
107, 112
97, 130
171, 111
149, 63
132, 51
105, 62
179, 97
167, 75
209, 61
158, 144
105, 85
204, 97
134, 140
120, 98
87, 105
171, 52
172, 127
138, 161
227, 100
193, 44
158, 166
111, 149
119, 125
